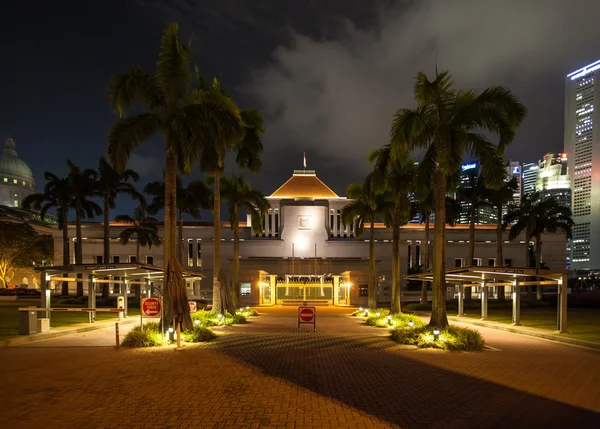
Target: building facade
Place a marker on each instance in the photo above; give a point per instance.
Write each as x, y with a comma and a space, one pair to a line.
582, 144
529, 177
307, 252
16, 179
484, 215
553, 179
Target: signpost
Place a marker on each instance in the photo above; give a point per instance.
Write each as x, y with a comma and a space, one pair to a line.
150, 307
307, 315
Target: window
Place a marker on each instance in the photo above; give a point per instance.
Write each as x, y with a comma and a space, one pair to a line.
458, 262
116, 286
508, 262
5, 179
409, 258
245, 289
98, 259
363, 290
116, 259
418, 254
476, 262
15, 181
190, 254
150, 260
23, 183
132, 259
276, 222
199, 251
16, 203
491, 262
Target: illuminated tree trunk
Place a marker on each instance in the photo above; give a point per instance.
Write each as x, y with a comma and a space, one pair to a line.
106, 256
372, 300
499, 251
438, 307
471, 249
396, 304
170, 228
423, 299
216, 301
79, 246
235, 275
180, 238
65, 232
538, 263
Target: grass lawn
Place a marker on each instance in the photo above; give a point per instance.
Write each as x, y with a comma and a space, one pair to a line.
9, 316
583, 323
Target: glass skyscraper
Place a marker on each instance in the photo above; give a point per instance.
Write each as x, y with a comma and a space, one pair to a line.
582, 145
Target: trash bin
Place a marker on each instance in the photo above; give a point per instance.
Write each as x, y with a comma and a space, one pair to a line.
27, 322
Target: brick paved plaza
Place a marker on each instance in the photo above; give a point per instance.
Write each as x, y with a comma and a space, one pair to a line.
266, 374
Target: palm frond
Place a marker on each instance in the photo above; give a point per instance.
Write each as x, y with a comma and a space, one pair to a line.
127, 134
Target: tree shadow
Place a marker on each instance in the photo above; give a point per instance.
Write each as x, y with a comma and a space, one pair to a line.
359, 372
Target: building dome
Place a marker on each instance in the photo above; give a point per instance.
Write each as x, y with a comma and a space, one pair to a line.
16, 179
12, 165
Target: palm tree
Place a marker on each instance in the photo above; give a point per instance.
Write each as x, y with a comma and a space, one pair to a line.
83, 185
499, 199
365, 206
145, 230
190, 200
395, 182
143, 227
110, 185
475, 193
248, 146
190, 118
447, 123
239, 194
57, 196
536, 215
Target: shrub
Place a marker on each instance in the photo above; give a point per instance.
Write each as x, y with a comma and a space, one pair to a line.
199, 334
451, 338
146, 336
236, 319
248, 312
211, 318
397, 320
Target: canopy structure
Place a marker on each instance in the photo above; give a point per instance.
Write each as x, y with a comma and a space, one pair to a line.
486, 277
142, 275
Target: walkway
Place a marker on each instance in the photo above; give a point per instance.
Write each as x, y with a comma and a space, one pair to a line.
268, 375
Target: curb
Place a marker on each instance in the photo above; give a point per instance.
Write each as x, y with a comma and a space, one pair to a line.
508, 328
550, 337
28, 339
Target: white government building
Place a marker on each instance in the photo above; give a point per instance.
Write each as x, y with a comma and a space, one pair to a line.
306, 252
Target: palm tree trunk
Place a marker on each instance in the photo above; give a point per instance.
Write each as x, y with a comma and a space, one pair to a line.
106, 256
216, 300
372, 299
66, 261
169, 224
235, 275
438, 307
471, 248
79, 246
180, 236
423, 299
137, 251
395, 306
499, 255
528, 263
538, 263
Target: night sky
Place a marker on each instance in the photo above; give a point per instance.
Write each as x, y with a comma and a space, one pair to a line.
327, 74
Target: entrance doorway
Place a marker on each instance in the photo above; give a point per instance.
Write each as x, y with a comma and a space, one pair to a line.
304, 288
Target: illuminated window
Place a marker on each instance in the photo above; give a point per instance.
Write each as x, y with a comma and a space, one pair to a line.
16, 203
5, 179
15, 181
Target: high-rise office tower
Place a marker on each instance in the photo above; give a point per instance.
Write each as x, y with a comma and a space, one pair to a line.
582, 144
483, 215
553, 180
529, 177
513, 170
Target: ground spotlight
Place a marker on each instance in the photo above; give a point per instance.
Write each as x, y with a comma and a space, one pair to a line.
436, 334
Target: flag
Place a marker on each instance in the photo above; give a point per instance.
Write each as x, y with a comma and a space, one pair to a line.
304, 159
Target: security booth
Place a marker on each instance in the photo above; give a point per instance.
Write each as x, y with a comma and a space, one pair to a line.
148, 280
487, 278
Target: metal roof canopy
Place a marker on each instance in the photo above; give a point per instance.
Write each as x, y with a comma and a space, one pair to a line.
128, 273
124, 270
485, 277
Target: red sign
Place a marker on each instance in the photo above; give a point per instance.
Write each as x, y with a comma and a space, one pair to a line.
193, 306
151, 307
307, 315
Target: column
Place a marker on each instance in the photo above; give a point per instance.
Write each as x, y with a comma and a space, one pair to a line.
273, 287
516, 316
336, 290
484, 301
563, 288
266, 225
44, 295
461, 299
91, 298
